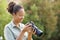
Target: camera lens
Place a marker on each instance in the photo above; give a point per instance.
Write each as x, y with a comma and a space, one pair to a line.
38, 31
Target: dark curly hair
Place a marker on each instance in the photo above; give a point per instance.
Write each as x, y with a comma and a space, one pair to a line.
13, 7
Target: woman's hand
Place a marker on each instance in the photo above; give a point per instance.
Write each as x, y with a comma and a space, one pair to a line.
30, 34
30, 30
27, 28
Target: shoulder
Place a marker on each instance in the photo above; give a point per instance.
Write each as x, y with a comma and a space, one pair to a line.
6, 26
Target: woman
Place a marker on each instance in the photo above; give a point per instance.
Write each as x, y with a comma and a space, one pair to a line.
15, 30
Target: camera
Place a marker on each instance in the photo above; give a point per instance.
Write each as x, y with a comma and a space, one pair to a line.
38, 31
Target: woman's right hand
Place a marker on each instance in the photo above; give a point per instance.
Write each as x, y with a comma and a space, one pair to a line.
28, 28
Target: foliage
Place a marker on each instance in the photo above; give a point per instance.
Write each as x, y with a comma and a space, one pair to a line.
44, 13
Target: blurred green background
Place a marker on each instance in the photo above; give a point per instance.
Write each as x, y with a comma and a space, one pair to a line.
44, 13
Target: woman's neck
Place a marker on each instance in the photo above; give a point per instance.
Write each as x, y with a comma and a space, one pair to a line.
16, 22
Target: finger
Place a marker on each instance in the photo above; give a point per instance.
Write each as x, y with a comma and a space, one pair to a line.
29, 25
26, 26
34, 32
29, 29
33, 29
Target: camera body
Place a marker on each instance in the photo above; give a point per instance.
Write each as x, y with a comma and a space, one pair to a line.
38, 31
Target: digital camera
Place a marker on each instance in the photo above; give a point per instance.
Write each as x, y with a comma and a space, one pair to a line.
38, 31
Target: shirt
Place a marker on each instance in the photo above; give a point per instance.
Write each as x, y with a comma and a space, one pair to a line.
11, 32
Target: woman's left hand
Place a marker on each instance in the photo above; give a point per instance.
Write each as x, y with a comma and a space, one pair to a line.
32, 31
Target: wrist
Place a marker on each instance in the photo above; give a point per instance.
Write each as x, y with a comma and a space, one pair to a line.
29, 37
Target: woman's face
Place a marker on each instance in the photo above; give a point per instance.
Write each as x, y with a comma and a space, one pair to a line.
19, 16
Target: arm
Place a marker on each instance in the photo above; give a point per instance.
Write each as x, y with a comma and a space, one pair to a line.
20, 37
26, 29
29, 36
9, 36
